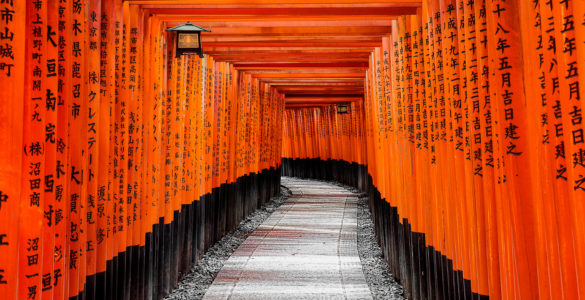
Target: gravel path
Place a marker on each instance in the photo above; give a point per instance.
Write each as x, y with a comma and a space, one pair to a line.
307, 249
201, 276
378, 277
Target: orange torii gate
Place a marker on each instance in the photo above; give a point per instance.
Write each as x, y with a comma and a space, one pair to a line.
121, 163
122, 160
473, 132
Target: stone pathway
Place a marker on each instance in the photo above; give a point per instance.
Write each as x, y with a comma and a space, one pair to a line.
307, 249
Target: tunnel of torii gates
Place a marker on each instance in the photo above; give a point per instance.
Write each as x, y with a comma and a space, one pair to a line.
121, 163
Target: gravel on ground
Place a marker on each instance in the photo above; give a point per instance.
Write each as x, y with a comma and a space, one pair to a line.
201, 276
378, 276
380, 281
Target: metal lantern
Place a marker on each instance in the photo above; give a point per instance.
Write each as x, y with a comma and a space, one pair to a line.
188, 37
341, 108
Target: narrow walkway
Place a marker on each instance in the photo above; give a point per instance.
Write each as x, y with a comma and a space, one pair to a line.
307, 249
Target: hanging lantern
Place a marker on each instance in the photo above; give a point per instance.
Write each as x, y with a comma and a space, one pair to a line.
341, 108
188, 39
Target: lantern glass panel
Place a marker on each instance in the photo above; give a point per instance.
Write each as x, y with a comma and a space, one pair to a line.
188, 40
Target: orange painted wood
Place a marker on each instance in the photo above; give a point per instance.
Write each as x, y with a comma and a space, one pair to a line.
466, 114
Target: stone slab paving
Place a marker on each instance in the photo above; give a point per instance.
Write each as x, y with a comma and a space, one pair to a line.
307, 249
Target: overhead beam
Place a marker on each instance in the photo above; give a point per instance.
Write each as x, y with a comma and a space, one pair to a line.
294, 44
290, 57
286, 23
305, 105
311, 75
300, 65
309, 50
295, 31
310, 71
212, 50
335, 90
311, 80
243, 58
242, 4
313, 100
180, 15
316, 38
278, 82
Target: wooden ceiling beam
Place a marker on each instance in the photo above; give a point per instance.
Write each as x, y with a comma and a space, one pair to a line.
310, 71
306, 105
329, 92
311, 75
288, 81
304, 90
300, 65
316, 99
287, 6
313, 51
239, 38
180, 15
295, 31
214, 50
242, 60
229, 23
285, 51
278, 82
324, 98
294, 44
288, 57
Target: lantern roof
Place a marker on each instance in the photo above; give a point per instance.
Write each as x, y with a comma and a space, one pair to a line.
188, 27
